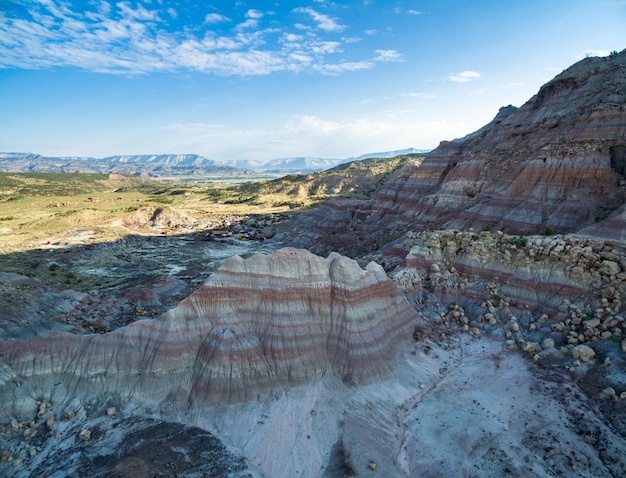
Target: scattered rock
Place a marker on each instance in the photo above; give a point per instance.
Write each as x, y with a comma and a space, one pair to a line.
609, 392
68, 414
583, 352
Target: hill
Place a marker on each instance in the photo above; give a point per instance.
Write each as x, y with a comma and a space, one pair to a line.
304, 165
554, 164
356, 179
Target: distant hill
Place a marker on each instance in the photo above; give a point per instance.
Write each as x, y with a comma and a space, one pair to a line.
305, 164
357, 179
155, 165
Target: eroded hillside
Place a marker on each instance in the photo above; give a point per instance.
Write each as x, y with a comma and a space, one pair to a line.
556, 163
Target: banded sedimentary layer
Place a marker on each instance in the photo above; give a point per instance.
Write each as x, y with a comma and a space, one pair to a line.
558, 161
535, 273
257, 325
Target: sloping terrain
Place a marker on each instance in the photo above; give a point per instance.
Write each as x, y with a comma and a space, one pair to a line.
554, 164
356, 179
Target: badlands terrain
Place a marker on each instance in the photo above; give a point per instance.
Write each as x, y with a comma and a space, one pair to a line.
458, 314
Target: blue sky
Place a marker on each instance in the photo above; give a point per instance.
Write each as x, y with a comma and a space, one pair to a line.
260, 80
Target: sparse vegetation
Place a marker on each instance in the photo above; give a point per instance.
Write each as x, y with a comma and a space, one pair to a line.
55, 208
357, 180
519, 241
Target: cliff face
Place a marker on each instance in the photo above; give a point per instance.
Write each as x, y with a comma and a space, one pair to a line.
559, 161
256, 326
542, 273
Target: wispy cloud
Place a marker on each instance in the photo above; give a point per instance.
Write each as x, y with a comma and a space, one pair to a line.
324, 22
335, 68
421, 95
128, 38
314, 132
387, 55
216, 18
410, 11
256, 14
249, 23
464, 76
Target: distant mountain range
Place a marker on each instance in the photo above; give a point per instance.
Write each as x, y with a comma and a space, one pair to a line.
305, 164
155, 165
168, 165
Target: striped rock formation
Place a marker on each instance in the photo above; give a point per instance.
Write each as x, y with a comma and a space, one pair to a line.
558, 161
256, 326
537, 271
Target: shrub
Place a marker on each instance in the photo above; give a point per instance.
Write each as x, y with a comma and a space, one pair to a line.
519, 241
488, 227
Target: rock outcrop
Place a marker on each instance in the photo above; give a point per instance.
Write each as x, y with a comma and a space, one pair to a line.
539, 271
536, 292
257, 325
558, 162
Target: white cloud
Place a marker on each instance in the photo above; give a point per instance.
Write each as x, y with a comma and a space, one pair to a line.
353, 136
421, 95
140, 13
292, 37
192, 127
387, 55
125, 38
324, 22
464, 76
249, 23
336, 68
415, 12
325, 47
216, 18
256, 14
312, 135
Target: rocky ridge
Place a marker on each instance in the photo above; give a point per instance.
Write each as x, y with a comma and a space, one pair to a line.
568, 289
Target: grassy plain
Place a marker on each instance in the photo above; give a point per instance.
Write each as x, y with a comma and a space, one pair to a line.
44, 210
